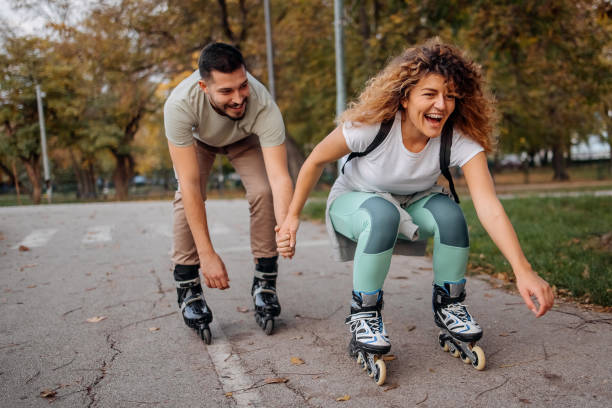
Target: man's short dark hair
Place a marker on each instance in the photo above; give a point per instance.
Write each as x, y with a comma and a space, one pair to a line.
219, 57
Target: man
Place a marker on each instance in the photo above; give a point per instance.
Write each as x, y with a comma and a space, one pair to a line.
222, 109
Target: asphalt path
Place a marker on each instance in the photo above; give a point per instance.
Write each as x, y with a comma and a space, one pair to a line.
88, 318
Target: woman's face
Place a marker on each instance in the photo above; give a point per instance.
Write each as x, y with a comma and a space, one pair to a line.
428, 106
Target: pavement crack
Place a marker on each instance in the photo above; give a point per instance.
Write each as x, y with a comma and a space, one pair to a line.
103, 369
295, 389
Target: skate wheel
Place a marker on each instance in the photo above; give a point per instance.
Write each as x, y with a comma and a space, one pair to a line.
372, 368
465, 359
361, 360
454, 352
481, 361
268, 326
205, 334
445, 347
381, 372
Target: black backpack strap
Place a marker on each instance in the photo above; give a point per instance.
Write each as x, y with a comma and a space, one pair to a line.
385, 127
446, 143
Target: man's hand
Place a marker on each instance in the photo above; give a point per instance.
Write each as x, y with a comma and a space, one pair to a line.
285, 236
532, 285
213, 269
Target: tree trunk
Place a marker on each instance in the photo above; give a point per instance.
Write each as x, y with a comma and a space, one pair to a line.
32, 166
9, 173
558, 161
295, 158
124, 171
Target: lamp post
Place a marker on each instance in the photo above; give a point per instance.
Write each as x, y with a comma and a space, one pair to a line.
43, 143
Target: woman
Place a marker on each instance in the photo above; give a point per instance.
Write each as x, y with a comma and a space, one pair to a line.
388, 198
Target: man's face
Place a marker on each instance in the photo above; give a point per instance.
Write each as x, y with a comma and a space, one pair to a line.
228, 92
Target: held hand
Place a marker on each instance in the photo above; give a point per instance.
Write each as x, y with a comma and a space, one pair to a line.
286, 236
213, 269
532, 285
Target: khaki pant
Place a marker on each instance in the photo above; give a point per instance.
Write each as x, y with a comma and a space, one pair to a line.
246, 157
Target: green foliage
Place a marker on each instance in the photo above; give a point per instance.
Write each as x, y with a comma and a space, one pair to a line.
563, 239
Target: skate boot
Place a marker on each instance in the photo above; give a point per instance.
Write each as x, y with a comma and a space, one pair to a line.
369, 340
196, 312
263, 291
459, 331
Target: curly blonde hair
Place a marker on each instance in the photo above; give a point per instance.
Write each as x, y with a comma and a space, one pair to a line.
383, 94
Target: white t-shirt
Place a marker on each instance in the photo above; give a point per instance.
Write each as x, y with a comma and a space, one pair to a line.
392, 168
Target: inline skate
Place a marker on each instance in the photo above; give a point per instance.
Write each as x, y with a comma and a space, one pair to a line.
194, 309
263, 291
459, 331
369, 340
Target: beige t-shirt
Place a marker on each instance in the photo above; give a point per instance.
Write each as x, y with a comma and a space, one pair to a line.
188, 115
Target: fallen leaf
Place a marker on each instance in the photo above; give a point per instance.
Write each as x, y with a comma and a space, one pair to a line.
298, 273
242, 309
504, 334
399, 277
585, 273
488, 295
388, 357
344, 398
296, 361
31, 286
296, 338
229, 394
153, 329
431, 370
410, 328
96, 319
391, 387
524, 401
23, 248
48, 393
276, 380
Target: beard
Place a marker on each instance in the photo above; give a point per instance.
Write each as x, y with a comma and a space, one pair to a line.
225, 109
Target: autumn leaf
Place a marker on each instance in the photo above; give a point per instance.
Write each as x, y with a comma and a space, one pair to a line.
344, 398
229, 394
388, 357
23, 248
242, 309
153, 329
296, 361
96, 319
276, 380
391, 387
47, 393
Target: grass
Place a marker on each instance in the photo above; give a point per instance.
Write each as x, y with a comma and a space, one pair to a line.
568, 241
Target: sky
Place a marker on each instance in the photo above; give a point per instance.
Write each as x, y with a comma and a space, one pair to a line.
21, 21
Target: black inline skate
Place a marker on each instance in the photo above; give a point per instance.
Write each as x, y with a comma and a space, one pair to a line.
369, 340
196, 312
263, 291
459, 331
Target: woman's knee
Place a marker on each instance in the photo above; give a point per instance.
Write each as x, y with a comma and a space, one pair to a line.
384, 220
450, 220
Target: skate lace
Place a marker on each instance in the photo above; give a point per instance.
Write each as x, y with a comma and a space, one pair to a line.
459, 310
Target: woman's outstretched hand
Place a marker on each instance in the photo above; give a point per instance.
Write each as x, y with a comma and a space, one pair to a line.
533, 285
285, 236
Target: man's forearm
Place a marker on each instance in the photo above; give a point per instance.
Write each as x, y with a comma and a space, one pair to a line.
195, 211
282, 191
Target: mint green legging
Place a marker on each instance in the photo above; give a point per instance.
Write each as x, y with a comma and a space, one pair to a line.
373, 223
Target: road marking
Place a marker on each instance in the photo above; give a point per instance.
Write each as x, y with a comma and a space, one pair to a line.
96, 234
219, 229
229, 369
37, 238
300, 244
165, 230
